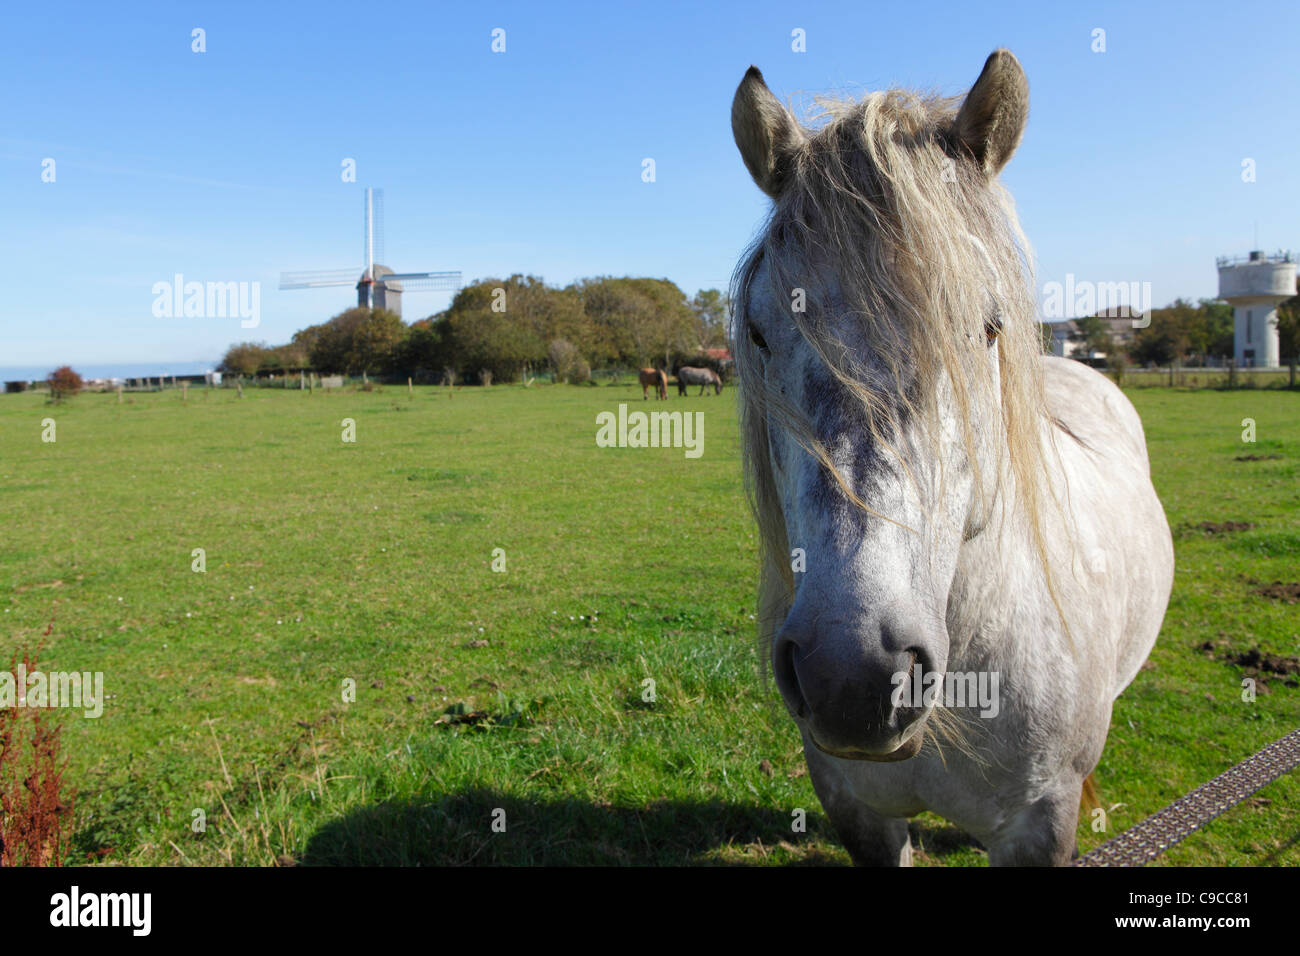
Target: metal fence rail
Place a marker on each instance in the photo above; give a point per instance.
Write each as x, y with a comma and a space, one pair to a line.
1142, 843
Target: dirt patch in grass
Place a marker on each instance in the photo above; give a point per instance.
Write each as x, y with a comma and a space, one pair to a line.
1288, 593
1224, 527
1256, 663
1211, 529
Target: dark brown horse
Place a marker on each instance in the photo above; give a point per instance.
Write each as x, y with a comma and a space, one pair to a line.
653, 378
703, 377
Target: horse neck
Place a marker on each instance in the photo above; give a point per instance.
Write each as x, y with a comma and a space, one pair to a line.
1000, 588
995, 569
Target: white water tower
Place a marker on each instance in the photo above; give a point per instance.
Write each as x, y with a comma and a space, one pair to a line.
1254, 286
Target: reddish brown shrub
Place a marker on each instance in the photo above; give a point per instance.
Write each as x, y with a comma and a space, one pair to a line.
64, 383
34, 812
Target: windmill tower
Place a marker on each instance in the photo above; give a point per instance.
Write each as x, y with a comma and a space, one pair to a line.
1254, 286
379, 286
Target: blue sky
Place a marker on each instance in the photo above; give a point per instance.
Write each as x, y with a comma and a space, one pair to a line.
225, 165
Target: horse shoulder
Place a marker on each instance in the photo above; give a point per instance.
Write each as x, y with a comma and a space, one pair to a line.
1091, 410
1118, 531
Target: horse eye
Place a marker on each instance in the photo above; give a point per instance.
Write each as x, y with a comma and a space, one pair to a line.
992, 326
759, 342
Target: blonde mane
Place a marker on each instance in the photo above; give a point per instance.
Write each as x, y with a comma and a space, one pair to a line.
925, 253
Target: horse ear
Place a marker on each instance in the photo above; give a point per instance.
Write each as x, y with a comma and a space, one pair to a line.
992, 119
766, 134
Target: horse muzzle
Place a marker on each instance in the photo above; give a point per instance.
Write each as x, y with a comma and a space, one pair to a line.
845, 692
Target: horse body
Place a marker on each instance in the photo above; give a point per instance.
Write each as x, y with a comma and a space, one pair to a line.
961, 505
653, 378
703, 377
1019, 795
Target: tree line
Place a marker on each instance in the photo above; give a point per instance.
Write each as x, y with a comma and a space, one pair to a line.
1184, 332
501, 330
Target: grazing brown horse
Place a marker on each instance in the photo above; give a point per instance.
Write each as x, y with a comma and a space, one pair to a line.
652, 377
703, 377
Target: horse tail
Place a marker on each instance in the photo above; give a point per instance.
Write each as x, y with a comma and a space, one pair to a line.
1090, 796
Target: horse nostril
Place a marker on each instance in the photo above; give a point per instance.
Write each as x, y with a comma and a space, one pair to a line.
905, 690
912, 692
920, 660
787, 680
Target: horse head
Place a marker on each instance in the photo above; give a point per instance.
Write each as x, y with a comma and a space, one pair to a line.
886, 356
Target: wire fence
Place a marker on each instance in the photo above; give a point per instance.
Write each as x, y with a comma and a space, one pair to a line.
1197, 377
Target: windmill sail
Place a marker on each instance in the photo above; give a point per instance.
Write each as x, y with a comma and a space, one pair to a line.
378, 286
320, 279
440, 281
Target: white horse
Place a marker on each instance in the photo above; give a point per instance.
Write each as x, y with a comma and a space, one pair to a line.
944, 511
703, 377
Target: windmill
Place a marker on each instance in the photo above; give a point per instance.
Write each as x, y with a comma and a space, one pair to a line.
379, 286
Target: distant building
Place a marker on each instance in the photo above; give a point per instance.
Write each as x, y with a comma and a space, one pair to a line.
1067, 336
1255, 285
1122, 322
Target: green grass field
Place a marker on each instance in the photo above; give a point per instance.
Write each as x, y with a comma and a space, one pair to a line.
371, 562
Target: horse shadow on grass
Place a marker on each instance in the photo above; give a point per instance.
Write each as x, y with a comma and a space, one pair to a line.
488, 828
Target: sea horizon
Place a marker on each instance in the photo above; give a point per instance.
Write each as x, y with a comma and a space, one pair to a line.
39, 373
